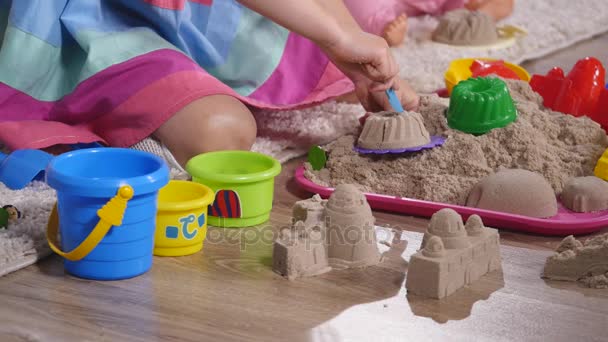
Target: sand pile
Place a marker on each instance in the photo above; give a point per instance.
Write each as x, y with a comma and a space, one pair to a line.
464, 27
586, 262
585, 194
556, 145
514, 191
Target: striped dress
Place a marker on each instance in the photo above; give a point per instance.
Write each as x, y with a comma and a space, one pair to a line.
113, 71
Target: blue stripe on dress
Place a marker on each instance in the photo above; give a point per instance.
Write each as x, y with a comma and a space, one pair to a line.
205, 33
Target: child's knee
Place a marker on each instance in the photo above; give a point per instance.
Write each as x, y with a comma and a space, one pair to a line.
228, 129
235, 130
213, 123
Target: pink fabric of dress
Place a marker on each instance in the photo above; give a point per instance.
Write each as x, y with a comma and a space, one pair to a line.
374, 15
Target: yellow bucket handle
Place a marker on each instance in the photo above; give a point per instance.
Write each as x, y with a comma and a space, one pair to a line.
111, 214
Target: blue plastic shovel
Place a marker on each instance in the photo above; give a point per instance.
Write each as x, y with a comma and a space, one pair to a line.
21, 167
395, 103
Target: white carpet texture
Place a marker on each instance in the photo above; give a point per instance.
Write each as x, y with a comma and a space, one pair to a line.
24, 241
552, 25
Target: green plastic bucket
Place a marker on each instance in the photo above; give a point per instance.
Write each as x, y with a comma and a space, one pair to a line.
243, 183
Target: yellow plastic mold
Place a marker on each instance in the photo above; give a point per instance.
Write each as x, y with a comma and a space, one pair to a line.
460, 70
601, 168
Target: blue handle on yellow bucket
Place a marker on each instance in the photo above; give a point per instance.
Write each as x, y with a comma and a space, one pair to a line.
111, 214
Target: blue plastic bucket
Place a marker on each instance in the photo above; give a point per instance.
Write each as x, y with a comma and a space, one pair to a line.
86, 180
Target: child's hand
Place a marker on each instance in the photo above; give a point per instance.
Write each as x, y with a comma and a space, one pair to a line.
364, 57
367, 60
375, 101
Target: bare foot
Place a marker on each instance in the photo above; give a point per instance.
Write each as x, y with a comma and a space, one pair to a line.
395, 31
497, 9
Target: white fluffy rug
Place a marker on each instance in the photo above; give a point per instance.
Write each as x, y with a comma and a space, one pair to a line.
24, 242
552, 25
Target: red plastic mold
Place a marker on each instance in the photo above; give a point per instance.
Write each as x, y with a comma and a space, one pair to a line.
581, 92
484, 68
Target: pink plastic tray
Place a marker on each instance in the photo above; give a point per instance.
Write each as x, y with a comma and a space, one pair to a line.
566, 222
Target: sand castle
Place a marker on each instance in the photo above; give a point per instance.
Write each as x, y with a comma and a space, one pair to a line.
585, 194
351, 237
515, 191
391, 130
452, 255
576, 261
464, 27
300, 252
334, 233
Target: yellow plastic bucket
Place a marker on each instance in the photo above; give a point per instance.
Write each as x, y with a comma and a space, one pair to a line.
181, 222
460, 70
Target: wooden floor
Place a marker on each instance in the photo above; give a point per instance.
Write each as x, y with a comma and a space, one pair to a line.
228, 291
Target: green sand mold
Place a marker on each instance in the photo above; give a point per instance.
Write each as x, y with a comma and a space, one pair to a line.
249, 175
479, 105
317, 158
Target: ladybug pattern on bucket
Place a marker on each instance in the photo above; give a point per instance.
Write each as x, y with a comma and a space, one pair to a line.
227, 204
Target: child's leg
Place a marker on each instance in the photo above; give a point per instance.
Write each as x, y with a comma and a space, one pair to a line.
395, 31
212, 123
385, 18
497, 9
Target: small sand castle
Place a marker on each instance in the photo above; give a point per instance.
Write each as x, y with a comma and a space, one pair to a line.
300, 252
585, 194
351, 237
337, 233
452, 255
515, 191
391, 130
464, 27
576, 261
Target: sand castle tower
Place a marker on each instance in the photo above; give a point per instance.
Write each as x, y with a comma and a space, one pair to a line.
350, 233
391, 130
452, 255
300, 252
338, 232
448, 225
310, 211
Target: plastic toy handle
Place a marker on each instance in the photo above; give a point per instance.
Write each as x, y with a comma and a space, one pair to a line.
508, 31
110, 215
395, 103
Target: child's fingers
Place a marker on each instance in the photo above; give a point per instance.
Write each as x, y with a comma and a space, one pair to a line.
382, 86
363, 96
409, 98
410, 102
382, 70
378, 76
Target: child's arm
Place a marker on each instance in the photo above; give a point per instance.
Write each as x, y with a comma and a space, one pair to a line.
322, 21
365, 58
329, 24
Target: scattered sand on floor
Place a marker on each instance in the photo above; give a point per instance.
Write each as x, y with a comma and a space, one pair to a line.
556, 145
585, 262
